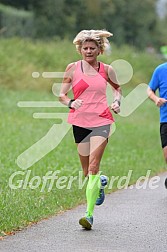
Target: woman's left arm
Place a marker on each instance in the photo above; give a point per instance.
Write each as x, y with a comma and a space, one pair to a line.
117, 93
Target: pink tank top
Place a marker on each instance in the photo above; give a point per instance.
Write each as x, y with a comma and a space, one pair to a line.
91, 89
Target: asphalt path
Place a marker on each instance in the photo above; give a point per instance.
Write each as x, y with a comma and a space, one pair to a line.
129, 220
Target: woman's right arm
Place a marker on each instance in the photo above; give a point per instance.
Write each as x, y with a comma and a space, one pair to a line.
65, 87
66, 84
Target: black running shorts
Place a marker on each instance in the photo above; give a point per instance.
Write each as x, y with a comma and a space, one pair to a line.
83, 134
163, 134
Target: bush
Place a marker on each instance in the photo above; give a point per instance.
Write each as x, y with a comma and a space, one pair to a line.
21, 57
14, 22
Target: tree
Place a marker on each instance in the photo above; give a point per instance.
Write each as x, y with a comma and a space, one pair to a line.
49, 18
26, 4
133, 22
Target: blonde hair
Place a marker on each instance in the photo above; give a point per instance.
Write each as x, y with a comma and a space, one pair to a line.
98, 36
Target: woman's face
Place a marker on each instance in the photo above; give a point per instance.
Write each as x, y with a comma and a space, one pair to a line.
89, 51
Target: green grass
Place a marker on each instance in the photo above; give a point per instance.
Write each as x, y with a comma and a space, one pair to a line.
135, 145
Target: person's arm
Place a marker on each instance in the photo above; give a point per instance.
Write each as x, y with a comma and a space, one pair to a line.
157, 100
117, 93
66, 85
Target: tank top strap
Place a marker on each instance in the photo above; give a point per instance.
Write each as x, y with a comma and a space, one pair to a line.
102, 71
78, 66
77, 73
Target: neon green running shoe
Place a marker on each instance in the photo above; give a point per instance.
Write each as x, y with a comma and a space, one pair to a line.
86, 222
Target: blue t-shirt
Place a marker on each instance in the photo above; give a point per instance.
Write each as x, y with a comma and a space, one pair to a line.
159, 82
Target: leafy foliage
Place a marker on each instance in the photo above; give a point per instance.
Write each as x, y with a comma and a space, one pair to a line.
132, 22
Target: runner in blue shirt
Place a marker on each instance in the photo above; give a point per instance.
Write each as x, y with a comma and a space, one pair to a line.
159, 82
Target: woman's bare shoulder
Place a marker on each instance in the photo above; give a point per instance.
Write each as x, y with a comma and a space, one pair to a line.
71, 66
70, 70
112, 78
108, 67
